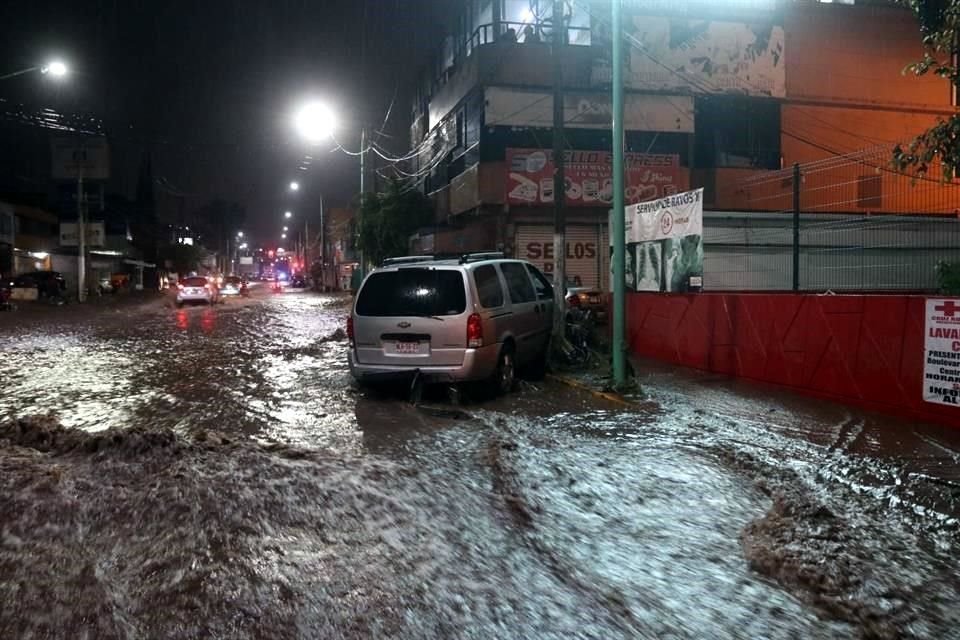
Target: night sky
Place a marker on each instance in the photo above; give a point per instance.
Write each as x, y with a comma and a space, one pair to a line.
208, 87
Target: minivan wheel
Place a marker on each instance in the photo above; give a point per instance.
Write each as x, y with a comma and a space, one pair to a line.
504, 376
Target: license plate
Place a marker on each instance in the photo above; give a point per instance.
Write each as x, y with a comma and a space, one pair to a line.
407, 348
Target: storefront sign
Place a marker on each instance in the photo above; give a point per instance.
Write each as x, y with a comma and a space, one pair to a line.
589, 181
941, 358
664, 250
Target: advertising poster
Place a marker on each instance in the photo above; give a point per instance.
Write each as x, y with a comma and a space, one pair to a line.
589, 177
664, 244
941, 358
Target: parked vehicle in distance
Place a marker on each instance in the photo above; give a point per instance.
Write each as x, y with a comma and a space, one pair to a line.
233, 286
591, 298
476, 318
48, 283
197, 289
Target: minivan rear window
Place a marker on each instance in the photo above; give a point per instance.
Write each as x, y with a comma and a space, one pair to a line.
413, 292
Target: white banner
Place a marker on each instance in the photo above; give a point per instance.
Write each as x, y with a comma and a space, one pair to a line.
671, 217
522, 108
664, 243
941, 358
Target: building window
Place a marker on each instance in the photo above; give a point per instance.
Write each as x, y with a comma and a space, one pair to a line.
737, 132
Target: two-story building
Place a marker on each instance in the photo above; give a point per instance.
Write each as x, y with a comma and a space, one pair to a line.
716, 92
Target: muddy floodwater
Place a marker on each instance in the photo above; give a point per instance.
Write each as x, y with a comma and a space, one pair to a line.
214, 473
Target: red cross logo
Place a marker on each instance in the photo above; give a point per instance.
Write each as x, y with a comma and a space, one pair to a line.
948, 308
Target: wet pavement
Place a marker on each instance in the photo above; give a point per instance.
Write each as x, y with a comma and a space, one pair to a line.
213, 472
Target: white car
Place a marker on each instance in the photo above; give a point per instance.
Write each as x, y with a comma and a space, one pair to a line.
197, 289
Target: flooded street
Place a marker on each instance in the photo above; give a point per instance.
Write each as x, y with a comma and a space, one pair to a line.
213, 472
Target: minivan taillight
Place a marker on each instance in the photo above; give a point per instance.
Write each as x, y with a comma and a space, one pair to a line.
474, 331
350, 329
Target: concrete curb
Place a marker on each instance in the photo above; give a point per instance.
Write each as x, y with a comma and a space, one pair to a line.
615, 398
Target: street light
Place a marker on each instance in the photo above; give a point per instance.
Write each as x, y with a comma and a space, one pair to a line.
294, 186
315, 122
55, 68
239, 234
283, 236
285, 229
287, 214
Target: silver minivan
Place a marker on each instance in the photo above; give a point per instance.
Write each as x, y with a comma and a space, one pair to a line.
478, 317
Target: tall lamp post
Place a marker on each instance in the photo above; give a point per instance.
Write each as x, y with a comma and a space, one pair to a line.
315, 122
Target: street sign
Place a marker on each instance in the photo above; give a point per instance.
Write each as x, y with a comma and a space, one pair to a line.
80, 157
95, 236
941, 342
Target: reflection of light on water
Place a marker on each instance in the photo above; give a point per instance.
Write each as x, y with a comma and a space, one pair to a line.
183, 320
87, 385
208, 320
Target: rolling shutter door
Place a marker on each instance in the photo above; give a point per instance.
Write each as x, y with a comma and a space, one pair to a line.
584, 256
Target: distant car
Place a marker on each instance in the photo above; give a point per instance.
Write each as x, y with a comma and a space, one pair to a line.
47, 283
473, 319
591, 298
233, 286
197, 289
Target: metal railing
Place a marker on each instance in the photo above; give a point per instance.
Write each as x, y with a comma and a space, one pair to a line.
845, 223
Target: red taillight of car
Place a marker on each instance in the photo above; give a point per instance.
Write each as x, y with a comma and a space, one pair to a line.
350, 329
474, 331
573, 301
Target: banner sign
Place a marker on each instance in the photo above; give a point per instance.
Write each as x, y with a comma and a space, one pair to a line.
703, 56
664, 250
941, 358
94, 237
84, 157
589, 177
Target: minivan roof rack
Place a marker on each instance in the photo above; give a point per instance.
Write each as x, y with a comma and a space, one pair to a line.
474, 257
389, 262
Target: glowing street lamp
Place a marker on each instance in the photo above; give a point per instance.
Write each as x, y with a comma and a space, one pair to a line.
288, 214
283, 236
294, 186
315, 122
54, 68
239, 234
285, 229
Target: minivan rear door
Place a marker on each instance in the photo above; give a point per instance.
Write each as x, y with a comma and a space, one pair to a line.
412, 316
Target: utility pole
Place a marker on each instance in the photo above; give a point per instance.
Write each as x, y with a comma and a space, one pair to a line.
81, 240
619, 224
559, 184
363, 173
796, 226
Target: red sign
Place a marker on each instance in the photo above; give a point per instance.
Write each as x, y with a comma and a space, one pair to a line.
588, 177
